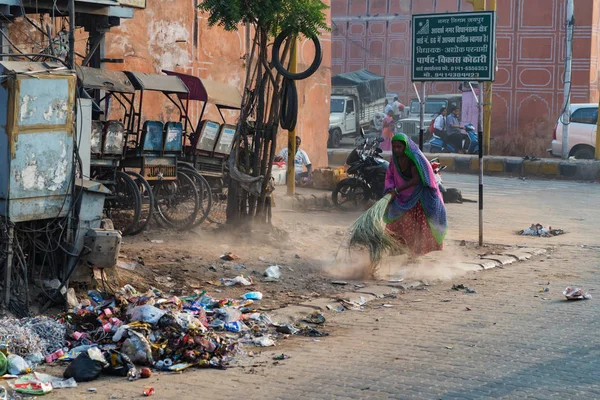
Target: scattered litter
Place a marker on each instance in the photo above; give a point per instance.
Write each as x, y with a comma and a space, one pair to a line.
129, 266
155, 241
546, 289
445, 301
17, 365
29, 384
576, 294
264, 341
417, 300
312, 332
92, 390
240, 267
238, 280
315, 318
387, 305
341, 283
396, 280
541, 231
298, 256
253, 296
469, 309
229, 257
148, 392
359, 286
354, 305
281, 357
461, 287
273, 272
450, 347
286, 329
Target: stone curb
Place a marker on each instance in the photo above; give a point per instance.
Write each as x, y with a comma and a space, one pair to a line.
376, 291
577, 170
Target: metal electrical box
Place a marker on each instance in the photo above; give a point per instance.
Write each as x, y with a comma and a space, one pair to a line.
36, 140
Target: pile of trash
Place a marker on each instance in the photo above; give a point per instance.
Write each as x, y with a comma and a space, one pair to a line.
541, 231
116, 334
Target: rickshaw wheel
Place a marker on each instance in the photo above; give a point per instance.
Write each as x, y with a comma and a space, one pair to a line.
204, 193
177, 202
147, 205
124, 206
218, 211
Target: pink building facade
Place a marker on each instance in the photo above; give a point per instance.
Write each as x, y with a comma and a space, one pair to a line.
528, 91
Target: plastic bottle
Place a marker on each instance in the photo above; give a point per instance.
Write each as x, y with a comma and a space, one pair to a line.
253, 296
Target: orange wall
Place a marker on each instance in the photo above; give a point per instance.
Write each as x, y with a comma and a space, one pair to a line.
175, 36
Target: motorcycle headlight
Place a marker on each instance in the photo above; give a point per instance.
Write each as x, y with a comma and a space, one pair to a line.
115, 138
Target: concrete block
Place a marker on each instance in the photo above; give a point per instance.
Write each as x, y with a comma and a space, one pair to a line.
474, 164
513, 166
494, 165
549, 168
488, 264
537, 252
531, 168
568, 170
502, 259
463, 164
448, 162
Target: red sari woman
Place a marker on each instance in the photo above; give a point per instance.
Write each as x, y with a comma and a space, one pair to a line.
416, 215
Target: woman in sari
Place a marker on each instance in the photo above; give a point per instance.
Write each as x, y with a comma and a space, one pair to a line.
388, 131
416, 215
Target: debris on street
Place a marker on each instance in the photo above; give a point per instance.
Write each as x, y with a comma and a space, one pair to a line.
541, 231
462, 287
229, 257
576, 294
273, 273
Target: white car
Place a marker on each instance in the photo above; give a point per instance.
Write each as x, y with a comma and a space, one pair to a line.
582, 132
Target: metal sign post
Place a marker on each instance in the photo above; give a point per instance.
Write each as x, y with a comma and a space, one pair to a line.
456, 47
421, 115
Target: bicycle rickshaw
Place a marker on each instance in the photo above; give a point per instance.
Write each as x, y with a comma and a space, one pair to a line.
130, 204
182, 196
209, 143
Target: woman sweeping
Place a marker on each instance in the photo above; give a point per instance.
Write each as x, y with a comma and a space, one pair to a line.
415, 216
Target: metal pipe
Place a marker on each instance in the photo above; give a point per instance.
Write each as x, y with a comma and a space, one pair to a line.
9, 262
422, 116
72, 33
487, 105
480, 138
566, 114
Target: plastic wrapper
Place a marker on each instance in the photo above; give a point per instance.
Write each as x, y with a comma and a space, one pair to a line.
146, 313
17, 365
119, 364
29, 384
273, 272
576, 294
137, 348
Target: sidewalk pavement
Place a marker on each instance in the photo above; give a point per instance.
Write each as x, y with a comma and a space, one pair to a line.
552, 168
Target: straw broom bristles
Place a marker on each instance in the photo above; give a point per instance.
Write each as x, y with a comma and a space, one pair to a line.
369, 231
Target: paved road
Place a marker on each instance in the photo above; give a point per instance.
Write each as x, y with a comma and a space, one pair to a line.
515, 343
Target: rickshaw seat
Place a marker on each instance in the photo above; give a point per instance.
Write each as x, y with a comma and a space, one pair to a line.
206, 136
96, 137
114, 138
174, 137
152, 136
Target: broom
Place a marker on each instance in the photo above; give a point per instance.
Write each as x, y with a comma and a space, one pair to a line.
369, 231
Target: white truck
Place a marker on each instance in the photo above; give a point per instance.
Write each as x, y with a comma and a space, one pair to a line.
356, 97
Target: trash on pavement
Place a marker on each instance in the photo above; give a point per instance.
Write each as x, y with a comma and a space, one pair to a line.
148, 392
273, 272
29, 384
281, 357
316, 318
17, 365
341, 283
229, 257
129, 266
253, 296
238, 280
541, 231
287, 329
264, 341
465, 288
354, 305
87, 366
576, 294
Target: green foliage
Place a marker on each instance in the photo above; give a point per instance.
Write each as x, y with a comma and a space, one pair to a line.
304, 17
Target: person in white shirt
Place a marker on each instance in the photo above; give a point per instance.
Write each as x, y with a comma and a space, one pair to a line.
398, 108
300, 160
439, 124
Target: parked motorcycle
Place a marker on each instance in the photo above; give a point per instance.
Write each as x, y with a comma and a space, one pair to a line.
366, 176
437, 145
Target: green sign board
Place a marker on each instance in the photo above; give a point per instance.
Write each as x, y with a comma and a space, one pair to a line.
454, 46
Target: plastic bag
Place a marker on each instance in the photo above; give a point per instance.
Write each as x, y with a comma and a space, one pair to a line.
3, 364
137, 348
273, 272
228, 314
146, 313
86, 367
576, 294
118, 363
17, 365
29, 384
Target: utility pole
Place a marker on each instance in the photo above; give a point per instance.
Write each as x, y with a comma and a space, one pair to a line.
72, 33
487, 104
566, 114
